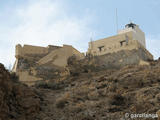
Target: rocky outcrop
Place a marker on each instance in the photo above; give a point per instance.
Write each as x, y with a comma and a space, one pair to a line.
17, 101
115, 60
87, 94
105, 94
122, 58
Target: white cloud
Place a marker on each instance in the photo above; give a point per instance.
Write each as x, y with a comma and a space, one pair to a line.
43, 22
153, 43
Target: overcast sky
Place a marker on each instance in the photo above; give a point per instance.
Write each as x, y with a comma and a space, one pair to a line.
57, 22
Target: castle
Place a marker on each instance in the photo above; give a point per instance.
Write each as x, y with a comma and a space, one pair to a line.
30, 59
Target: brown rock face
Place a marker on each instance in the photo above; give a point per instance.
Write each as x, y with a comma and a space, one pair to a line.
94, 93
17, 101
90, 92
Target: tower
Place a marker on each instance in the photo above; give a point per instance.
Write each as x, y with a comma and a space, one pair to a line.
137, 33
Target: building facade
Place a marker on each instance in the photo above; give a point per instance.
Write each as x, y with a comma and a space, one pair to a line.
132, 37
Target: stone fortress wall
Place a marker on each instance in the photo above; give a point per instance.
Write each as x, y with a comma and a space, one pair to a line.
58, 53
35, 50
29, 58
59, 56
128, 47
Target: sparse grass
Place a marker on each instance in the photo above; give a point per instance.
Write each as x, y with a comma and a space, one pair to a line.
93, 95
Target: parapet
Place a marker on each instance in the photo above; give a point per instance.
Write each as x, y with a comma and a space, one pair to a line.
53, 47
30, 50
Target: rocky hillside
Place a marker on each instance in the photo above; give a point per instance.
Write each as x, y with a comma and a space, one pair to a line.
90, 92
101, 94
17, 101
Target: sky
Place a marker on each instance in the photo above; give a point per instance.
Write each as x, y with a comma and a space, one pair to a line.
74, 22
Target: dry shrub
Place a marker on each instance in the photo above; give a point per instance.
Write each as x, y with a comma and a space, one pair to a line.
77, 108
61, 102
80, 94
14, 77
116, 99
112, 87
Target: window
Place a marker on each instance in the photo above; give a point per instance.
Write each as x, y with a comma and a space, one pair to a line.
100, 48
122, 42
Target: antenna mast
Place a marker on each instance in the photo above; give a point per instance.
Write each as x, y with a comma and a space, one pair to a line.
117, 20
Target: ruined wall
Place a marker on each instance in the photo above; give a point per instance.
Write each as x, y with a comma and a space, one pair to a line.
124, 57
52, 47
34, 63
78, 54
28, 49
59, 56
24, 77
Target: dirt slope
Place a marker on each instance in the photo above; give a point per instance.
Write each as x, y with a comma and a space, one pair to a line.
103, 95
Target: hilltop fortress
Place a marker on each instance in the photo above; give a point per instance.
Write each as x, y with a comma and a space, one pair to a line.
128, 47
